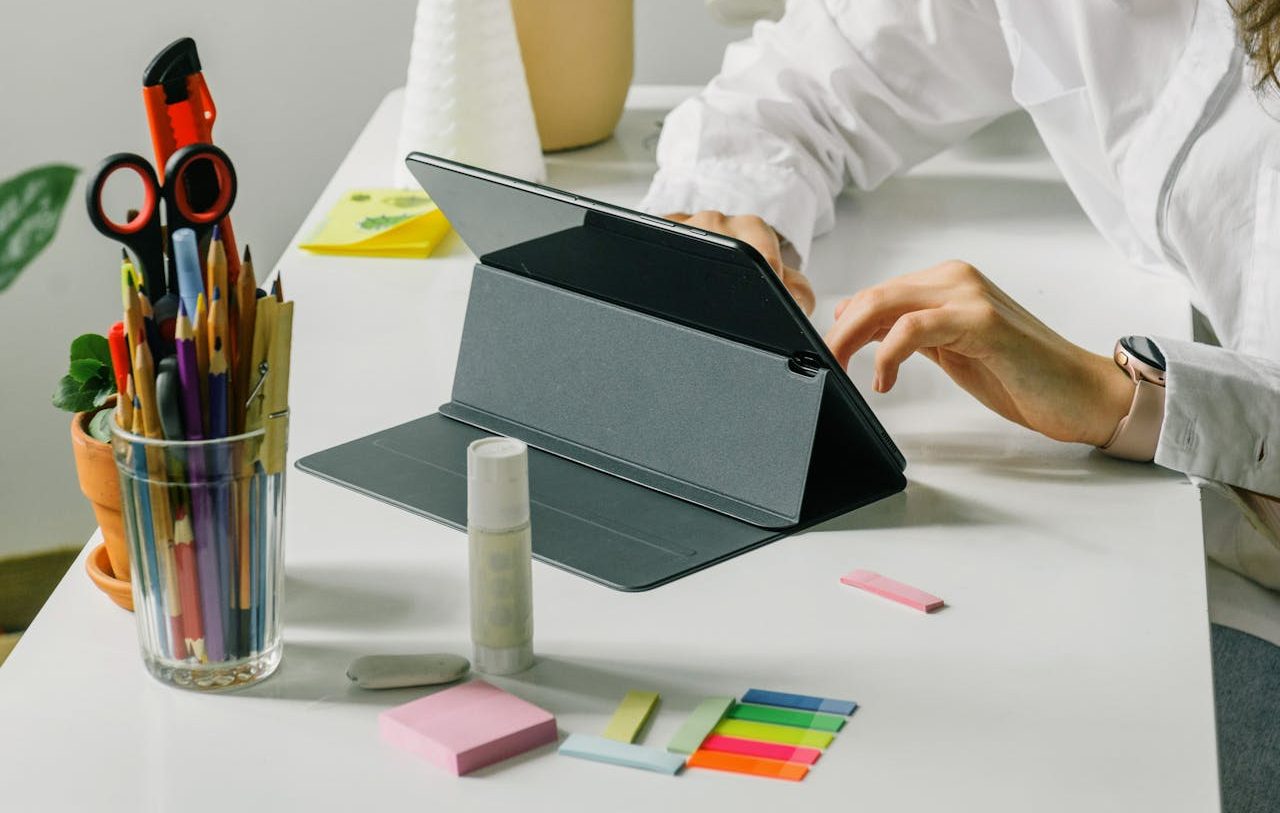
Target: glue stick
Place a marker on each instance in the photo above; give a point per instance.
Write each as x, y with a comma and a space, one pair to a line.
500, 555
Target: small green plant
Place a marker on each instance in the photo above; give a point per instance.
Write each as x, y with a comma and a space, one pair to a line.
88, 383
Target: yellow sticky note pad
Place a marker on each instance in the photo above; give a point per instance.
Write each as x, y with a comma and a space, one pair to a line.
631, 715
381, 223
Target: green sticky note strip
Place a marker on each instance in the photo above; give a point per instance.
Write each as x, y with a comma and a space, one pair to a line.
630, 717
768, 732
791, 717
699, 724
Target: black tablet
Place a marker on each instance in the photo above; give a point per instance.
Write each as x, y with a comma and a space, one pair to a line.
679, 406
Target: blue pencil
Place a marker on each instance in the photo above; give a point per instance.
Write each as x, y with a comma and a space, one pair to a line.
144, 520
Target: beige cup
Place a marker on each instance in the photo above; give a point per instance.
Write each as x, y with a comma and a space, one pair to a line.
578, 56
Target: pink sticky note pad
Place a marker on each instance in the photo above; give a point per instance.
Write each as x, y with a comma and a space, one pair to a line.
467, 727
755, 748
890, 589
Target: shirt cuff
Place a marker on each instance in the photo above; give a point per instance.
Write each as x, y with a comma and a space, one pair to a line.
1220, 416
777, 195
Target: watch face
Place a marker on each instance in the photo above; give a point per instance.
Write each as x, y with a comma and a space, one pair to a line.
1144, 350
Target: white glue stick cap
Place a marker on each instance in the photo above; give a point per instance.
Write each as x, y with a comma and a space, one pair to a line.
497, 484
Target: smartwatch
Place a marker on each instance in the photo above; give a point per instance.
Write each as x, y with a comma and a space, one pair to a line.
1138, 433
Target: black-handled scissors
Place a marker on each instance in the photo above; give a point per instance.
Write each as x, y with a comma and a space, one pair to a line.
198, 191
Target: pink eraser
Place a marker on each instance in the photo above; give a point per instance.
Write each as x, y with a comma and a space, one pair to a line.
890, 589
467, 727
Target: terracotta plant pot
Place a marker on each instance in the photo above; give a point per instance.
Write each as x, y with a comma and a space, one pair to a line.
578, 56
96, 468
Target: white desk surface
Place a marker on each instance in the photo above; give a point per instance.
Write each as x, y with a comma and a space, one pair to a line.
1070, 672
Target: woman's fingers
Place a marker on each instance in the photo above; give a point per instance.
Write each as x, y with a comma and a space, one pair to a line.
755, 232
877, 308
917, 330
800, 289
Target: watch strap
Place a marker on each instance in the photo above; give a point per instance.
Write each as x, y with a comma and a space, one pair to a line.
1138, 433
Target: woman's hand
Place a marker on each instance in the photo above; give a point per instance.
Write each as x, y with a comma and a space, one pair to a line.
754, 232
990, 346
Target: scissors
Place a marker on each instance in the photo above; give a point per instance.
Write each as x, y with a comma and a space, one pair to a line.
198, 190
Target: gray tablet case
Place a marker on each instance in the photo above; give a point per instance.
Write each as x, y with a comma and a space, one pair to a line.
656, 449
678, 405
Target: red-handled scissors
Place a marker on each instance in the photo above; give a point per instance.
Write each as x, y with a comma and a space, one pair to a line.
198, 191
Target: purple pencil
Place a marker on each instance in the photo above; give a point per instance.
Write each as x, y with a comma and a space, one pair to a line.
206, 544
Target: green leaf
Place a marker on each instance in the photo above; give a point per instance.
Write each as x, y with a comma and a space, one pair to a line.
31, 205
100, 425
84, 369
71, 397
103, 388
91, 346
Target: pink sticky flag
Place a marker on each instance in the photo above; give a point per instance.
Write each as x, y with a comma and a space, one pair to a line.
890, 589
756, 748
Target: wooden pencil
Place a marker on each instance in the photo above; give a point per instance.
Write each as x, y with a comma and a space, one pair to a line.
134, 330
188, 584
201, 326
144, 386
216, 265
247, 308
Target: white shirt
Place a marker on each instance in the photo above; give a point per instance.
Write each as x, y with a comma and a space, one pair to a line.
1148, 109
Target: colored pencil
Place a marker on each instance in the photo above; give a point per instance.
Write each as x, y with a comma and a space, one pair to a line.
141, 498
216, 265
134, 329
202, 507
220, 462
217, 338
218, 280
246, 302
152, 468
200, 323
188, 584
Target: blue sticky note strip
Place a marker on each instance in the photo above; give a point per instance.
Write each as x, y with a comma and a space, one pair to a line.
600, 749
799, 701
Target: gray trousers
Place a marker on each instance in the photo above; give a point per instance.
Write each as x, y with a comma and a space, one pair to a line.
1246, 682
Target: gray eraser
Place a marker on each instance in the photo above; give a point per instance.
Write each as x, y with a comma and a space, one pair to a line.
398, 671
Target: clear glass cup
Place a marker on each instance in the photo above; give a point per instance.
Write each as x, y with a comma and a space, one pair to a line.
205, 525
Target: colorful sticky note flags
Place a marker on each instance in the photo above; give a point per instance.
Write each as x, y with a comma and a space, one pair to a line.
767, 732
628, 755
893, 590
781, 716
737, 763
631, 716
803, 702
765, 750
699, 724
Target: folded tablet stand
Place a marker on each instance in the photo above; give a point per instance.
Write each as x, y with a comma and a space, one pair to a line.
664, 449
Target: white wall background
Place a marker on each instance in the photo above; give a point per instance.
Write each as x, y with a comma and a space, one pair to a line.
294, 81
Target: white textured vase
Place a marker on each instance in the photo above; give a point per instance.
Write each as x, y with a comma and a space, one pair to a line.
466, 97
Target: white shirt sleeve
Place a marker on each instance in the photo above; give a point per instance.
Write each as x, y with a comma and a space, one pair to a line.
1221, 416
834, 93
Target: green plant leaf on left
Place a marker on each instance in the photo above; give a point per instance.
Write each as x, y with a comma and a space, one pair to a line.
71, 396
100, 426
91, 346
84, 369
31, 206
